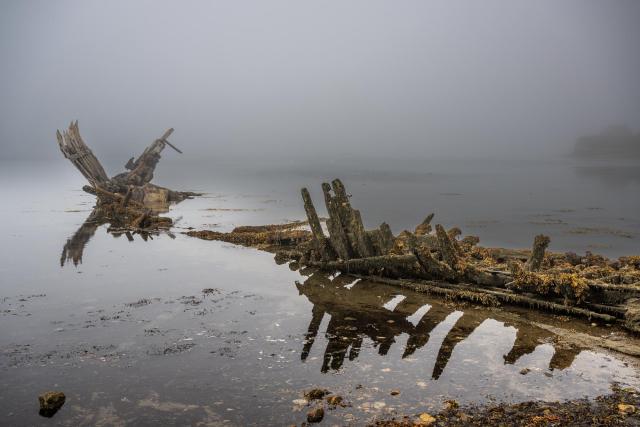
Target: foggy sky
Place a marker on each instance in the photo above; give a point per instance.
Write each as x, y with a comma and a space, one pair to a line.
317, 79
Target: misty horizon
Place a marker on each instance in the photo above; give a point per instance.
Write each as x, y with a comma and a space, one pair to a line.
283, 80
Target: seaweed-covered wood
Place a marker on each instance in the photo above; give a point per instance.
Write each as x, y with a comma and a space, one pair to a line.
540, 244
136, 182
312, 215
337, 234
445, 263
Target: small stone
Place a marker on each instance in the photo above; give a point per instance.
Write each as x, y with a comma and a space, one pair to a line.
525, 371
426, 419
379, 405
395, 392
316, 393
315, 415
51, 402
451, 404
334, 400
625, 409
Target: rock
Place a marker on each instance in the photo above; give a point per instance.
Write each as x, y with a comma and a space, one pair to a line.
395, 392
426, 419
51, 402
451, 405
464, 417
316, 394
525, 371
315, 415
334, 400
625, 409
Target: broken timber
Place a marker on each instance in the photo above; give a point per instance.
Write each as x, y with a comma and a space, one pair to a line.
439, 261
128, 201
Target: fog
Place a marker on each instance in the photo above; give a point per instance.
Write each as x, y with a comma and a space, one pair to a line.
290, 79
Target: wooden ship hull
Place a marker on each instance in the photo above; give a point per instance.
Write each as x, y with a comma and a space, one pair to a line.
441, 262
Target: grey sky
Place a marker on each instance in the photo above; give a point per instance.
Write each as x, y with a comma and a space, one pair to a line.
250, 78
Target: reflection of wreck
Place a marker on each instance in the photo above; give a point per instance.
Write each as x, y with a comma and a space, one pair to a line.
357, 311
128, 202
74, 247
437, 261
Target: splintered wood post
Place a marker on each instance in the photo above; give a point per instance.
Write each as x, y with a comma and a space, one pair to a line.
361, 239
312, 216
342, 207
137, 222
425, 226
166, 134
448, 251
127, 197
337, 236
141, 170
381, 239
431, 266
386, 238
540, 244
73, 148
453, 234
351, 222
341, 194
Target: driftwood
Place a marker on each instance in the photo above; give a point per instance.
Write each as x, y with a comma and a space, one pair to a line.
440, 261
540, 244
134, 184
128, 202
132, 191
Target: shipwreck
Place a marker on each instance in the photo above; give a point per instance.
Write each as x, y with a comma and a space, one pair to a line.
442, 262
128, 202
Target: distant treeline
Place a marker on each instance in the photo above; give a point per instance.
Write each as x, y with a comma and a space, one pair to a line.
613, 142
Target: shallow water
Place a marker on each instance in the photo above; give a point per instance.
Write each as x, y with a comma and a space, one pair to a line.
130, 335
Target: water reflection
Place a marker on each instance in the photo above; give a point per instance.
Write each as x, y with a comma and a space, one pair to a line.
367, 309
74, 247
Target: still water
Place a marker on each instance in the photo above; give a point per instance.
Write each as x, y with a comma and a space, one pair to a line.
175, 330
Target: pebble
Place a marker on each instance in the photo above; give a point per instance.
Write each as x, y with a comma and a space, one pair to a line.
426, 419
315, 415
626, 409
51, 402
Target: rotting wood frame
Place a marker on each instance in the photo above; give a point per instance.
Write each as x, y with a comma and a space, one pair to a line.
438, 261
128, 202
